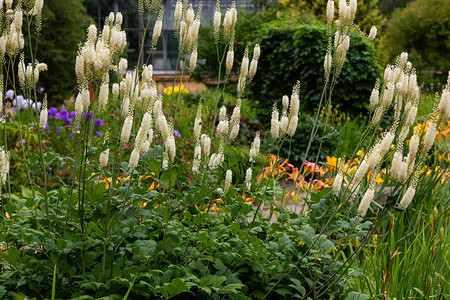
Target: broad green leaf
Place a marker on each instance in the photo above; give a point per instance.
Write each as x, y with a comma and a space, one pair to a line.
325, 245
282, 292
298, 286
177, 286
357, 296
213, 280
169, 178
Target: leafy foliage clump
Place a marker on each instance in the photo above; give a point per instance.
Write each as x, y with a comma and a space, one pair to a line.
425, 38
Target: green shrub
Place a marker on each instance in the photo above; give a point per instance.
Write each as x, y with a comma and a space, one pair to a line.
291, 52
422, 29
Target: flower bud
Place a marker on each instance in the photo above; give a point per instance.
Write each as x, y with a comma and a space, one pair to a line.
103, 96
193, 60
337, 184
275, 126
248, 178
104, 158
429, 138
365, 202
228, 179
126, 130
407, 197
372, 33
330, 11
229, 61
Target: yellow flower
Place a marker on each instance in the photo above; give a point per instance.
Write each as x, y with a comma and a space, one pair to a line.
333, 162
171, 90
360, 153
153, 186
379, 180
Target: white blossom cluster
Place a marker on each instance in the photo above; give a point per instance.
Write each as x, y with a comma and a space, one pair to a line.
400, 90
248, 69
288, 122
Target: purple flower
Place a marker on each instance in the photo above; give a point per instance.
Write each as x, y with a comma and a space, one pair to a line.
58, 130
38, 104
176, 133
22, 103
63, 114
68, 121
99, 123
52, 112
8, 112
90, 115
10, 94
98, 134
73, 114
40, 89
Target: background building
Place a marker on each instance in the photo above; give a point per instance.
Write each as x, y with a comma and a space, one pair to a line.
164, 57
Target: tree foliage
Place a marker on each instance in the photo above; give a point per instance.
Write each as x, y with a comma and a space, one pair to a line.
422, 29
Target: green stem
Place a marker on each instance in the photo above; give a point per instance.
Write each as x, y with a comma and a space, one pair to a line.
174, 81
54, 282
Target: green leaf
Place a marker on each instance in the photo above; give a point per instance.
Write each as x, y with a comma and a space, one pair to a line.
357, 296
154, 166
177, 286
213, 280
9, 208
3, 291
306, 235
20, 296
298, 286
169, 178
145, 248
283, 292
13, 255
91, 285
27, 193
325, 245
419, 291
233, 287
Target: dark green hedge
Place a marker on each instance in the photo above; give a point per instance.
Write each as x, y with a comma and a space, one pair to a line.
291, 52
